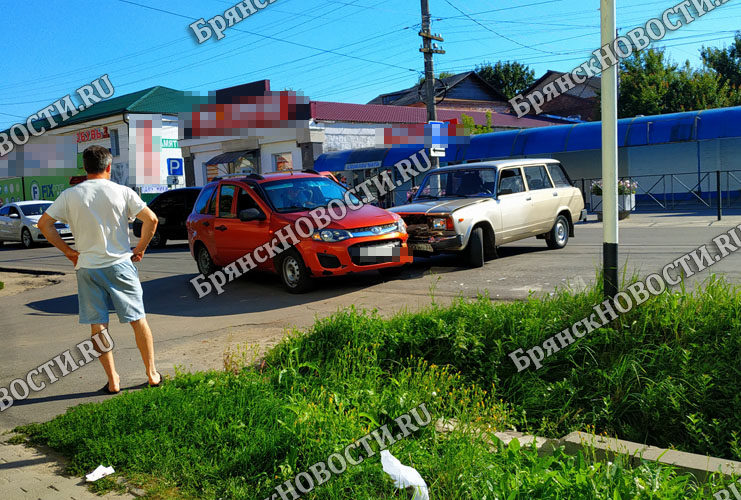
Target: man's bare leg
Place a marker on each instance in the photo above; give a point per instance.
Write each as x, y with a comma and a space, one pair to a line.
106, 359
146, 347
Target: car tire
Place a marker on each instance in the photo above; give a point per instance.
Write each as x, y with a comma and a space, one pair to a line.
558, 236
204, 261
158, 241
476, 248
294, 273
26, 238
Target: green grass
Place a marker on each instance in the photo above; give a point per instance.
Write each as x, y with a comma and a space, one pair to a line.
666, 374
2, 285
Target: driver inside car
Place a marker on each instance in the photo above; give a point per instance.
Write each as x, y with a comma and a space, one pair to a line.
294, 196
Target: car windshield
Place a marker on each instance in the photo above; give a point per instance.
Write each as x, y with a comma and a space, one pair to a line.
304, 193
458, 184
34, 209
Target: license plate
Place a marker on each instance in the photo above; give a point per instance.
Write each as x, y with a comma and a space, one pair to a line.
64, 231
422, 247
379, 251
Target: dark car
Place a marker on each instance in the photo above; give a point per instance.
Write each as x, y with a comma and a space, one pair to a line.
172, 208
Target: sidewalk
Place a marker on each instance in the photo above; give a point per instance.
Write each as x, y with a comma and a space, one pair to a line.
690, 218
38, 474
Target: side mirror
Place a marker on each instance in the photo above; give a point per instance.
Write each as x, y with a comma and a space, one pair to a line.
249, 214
14, 216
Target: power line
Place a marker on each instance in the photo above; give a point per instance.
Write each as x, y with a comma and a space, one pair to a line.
499, 34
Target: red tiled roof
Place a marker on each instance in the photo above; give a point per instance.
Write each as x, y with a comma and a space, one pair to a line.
376, 113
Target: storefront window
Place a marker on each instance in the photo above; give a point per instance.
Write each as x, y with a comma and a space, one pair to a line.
283, 162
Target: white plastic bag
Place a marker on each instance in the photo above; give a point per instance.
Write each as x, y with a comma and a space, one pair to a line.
99, 473
404, 476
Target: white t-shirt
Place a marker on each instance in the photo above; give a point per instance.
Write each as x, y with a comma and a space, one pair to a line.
98, 212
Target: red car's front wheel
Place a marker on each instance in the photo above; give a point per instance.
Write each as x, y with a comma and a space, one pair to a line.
293, 272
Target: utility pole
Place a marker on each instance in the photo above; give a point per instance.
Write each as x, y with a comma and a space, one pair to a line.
427, 49
609, 156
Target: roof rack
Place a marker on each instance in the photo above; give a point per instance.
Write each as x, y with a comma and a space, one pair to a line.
250, 175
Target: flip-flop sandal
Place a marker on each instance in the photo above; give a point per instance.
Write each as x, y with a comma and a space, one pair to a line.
158, 384
108, 391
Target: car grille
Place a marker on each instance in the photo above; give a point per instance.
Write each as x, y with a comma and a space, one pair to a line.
373, 230
361, 257
414, 219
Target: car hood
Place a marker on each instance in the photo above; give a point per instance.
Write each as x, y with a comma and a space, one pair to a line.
366, 216
32, 218
437, 206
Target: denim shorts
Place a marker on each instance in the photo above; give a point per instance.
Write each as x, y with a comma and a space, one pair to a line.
114, 287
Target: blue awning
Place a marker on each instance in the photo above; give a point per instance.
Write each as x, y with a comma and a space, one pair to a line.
491, 145
334, 161
360, 159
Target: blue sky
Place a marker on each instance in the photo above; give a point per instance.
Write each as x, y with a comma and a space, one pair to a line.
54, 47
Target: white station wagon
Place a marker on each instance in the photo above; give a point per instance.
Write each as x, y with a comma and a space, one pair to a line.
476, 207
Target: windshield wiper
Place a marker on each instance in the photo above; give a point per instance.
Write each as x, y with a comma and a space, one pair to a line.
293, 209
427, 196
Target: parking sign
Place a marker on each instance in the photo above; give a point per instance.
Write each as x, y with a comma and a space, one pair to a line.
174, 166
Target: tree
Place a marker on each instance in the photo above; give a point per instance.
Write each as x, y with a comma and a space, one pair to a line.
650, 84
441, 75
470, 125
510, 77
726, 61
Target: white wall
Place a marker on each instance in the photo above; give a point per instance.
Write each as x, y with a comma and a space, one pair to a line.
268, 150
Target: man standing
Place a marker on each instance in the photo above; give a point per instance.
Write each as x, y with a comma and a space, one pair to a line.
97, 211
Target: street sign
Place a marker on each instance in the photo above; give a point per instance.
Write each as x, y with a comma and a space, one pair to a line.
173, 180
437, 152
175, 166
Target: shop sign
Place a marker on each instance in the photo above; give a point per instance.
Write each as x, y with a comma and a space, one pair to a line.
93, 134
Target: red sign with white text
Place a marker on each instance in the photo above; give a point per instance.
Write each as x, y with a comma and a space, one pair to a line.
93, 134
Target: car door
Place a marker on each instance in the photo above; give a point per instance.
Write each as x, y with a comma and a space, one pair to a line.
515, 205
167, 213
4, 223
15, 224
545, 198
566, 192
233, 237
203, 217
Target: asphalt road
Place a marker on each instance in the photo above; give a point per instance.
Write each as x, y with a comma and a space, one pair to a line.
190, 333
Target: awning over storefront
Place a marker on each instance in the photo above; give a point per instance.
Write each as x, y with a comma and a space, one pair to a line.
360, 159
334, 161
228, 157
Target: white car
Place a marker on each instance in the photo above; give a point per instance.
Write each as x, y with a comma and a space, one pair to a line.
475, 207
19, 222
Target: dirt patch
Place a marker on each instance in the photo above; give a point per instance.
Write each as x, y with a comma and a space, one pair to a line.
19, 282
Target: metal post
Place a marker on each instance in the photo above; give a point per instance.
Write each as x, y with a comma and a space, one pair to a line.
609, 156
428, 51
720, 195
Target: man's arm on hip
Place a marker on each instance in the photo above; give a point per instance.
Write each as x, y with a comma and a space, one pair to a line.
46, 226
149, 226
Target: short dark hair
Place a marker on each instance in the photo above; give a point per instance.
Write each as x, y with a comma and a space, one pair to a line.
96, 159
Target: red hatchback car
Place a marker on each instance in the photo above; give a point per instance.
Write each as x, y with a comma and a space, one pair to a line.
236, 214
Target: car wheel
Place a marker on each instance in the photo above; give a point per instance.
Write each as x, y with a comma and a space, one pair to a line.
559, 234
476, 248
157, 241
293, 273
204, 261
26, 238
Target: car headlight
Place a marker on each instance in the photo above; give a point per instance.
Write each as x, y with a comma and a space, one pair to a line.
439, 223
35, 226
401, 226
331, 235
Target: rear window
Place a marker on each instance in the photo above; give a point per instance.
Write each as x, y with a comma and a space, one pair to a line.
559, 176
203, 200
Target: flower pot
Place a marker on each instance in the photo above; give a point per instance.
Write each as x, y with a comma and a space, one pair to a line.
626, 204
